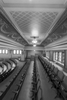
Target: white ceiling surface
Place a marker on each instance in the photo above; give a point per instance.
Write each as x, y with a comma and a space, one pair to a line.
36, 1
26, 19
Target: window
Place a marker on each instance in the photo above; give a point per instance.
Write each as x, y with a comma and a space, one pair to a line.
56, 56
20, 52
0, 51
60, 56
63, 57
6, 51
14, 51
17, 51
3, 51
47, 54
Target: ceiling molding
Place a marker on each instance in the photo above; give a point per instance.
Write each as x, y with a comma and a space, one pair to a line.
34, 5
34, 48
6, 40
57, 45
10, 46
59, 42
28, 4
57, 48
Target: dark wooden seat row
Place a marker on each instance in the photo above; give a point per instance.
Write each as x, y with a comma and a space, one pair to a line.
18, 89
36, 90
57, 77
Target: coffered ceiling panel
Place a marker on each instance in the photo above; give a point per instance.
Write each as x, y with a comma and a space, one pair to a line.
7, 30
60, 32
27, 20
34, 20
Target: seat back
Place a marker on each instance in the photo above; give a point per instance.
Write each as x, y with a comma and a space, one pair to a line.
1, 69
52, 67
9, 66
55, 70
65, 82
5, 67
60, 75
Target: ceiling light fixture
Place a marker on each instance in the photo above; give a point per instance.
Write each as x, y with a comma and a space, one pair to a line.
34, 41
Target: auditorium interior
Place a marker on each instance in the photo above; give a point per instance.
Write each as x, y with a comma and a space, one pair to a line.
33, 49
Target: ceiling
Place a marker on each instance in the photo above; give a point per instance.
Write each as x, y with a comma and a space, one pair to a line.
7, 30
33, 20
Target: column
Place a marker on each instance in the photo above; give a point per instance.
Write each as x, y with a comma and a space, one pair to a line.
51, 55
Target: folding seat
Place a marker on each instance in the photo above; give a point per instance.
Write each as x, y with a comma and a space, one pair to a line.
8, 84
39, 94
13, 65
50, 73
51, 70
52, 67
9, 67
1, 72
54, 73
63, 87
15, 61
61, 76
5, 68
58, 79
56, 70
64, 84
21, 81
1, 69
33, 91
16, 93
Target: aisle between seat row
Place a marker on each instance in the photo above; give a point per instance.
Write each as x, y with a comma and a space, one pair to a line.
25, 90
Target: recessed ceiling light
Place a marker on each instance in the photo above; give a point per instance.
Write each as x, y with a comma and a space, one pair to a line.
34, 41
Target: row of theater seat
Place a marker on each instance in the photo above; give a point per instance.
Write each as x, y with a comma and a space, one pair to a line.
36, 90
58, 78
21, 80
10, 83
6, 68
